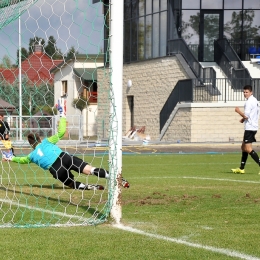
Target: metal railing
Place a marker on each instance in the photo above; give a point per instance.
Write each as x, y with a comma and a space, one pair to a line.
45, 126
180, 46
182, 92
230, 63
212, 90
241, 47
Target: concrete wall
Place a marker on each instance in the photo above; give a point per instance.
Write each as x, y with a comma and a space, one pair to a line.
65, 73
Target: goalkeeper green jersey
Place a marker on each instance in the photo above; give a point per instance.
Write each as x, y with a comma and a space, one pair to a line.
47, 152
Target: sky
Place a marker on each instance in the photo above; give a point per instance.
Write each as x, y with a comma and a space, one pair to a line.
77, 23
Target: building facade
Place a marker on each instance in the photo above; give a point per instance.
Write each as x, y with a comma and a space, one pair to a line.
154, 65
150, 25
77, 79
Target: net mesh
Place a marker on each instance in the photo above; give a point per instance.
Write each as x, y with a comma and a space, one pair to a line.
11, 9
57, 50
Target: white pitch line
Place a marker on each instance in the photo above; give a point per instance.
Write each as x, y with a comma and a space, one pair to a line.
198, 178
218, 179
222, 251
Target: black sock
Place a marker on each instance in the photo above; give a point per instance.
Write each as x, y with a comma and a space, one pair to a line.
243, 160
255, 156
101, 173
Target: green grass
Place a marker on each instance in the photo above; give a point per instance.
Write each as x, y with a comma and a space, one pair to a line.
187, 198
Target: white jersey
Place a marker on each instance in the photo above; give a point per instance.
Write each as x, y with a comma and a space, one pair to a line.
251, 111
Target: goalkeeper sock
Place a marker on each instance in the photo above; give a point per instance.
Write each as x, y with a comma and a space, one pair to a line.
254, 156
99, 172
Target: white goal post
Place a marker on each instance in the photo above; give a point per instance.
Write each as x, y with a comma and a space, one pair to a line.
116, 67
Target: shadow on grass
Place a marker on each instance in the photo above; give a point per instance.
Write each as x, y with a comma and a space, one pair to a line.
33, 191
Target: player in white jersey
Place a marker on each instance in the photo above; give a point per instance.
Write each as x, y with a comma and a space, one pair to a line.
250, 118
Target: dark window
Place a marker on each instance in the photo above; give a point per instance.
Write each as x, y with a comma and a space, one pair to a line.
127, 41
145, 29
141, 41
134, 31
127, 9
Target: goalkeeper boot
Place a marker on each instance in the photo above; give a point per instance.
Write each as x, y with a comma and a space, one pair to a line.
238, 171
125, 183
94, 187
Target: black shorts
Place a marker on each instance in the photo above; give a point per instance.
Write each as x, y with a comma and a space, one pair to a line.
61, 168
249, 136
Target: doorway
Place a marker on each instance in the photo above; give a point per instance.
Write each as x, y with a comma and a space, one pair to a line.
211, 28
130, 112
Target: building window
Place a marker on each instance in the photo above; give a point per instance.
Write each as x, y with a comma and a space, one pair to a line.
216, 4
64, 87
145, 29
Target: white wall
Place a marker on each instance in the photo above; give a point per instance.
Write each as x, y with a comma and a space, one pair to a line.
74, 89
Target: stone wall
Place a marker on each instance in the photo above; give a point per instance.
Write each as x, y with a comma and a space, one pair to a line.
200, 123
152, 83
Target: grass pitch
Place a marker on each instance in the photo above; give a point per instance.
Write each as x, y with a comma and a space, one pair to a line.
179, 206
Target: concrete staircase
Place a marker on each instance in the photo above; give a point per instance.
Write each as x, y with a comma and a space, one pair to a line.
225, 89
253, 68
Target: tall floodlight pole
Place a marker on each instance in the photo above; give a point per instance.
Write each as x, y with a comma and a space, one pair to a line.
116, 69
20, 80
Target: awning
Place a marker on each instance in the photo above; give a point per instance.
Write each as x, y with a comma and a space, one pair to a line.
86, 74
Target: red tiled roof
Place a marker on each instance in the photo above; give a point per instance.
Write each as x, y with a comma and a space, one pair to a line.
36, 69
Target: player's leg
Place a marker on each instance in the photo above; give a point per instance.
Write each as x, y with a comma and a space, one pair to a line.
250, 138
76, 185
102, 173
60, 170
79, 165
244, 156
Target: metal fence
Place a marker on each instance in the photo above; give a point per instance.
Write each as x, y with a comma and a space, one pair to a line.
180, 46
223, 89
45, 126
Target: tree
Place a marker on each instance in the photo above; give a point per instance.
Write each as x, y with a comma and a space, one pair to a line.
233, 27
24, 55
6, 62
71, 53
80, 103
51, 49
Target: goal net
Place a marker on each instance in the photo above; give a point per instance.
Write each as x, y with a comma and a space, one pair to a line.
51, 49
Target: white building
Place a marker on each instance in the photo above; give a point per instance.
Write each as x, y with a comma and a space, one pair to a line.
77, 78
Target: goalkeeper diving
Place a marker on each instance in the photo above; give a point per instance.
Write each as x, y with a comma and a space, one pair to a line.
49, 156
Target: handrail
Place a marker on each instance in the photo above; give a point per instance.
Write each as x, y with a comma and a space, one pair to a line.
181, 92
230, 63
180, 46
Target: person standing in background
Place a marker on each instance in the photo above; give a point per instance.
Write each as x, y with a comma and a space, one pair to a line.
250, 118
